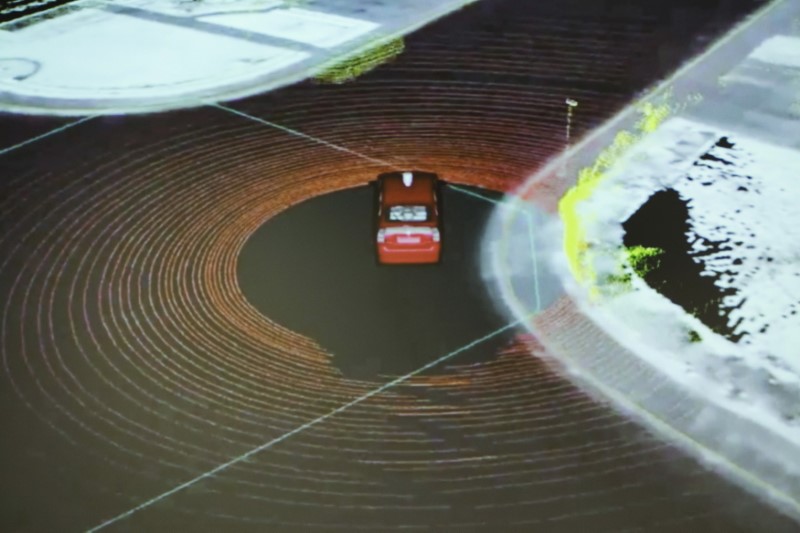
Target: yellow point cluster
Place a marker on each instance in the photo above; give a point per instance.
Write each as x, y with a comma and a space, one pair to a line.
354, 66
576, 246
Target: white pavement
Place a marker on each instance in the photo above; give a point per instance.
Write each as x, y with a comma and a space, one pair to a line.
132, 56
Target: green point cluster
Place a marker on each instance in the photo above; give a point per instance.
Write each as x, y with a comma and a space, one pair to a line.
354, 66
643, 259
615, 284
694, 336
638, 260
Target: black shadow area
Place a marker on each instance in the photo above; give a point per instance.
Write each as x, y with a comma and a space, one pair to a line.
312, 269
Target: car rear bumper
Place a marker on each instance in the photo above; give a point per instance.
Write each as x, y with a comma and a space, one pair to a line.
399, 256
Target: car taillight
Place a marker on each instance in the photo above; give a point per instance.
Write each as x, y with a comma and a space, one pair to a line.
436, 236
381, 235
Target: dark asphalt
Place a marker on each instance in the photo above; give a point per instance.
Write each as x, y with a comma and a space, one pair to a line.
376, 321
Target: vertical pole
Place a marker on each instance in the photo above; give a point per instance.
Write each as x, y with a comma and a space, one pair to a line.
570, 105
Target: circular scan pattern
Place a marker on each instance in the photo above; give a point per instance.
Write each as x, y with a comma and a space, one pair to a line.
125, 331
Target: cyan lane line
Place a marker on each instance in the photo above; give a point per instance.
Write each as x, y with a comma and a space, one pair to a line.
299, 429
531, 240
501, 203
302, 135
46, 134
285, 436
529, 222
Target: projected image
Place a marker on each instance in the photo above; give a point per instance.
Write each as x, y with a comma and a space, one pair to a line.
453, 266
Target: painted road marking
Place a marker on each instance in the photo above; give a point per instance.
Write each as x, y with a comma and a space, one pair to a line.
779, 50
200, 9
121, 67
321, 30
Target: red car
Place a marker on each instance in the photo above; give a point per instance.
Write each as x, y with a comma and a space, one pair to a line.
408, 229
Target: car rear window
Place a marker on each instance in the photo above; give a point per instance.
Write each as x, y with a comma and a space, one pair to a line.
407, 213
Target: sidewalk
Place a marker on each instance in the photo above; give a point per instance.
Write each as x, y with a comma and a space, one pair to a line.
729, 143
134, 56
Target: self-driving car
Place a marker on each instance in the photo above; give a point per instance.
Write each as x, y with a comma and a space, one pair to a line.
409, 227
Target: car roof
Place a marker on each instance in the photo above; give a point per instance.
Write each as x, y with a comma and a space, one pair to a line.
395, 191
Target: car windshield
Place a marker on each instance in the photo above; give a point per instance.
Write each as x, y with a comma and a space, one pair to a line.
407, 213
